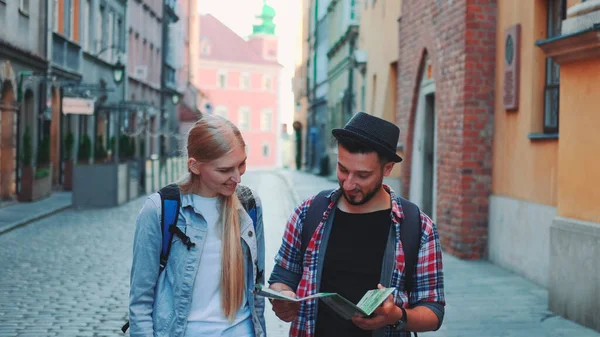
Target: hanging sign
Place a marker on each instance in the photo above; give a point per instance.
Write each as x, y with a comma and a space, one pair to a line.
78, 106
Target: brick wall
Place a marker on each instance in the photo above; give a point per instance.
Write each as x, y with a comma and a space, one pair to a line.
460, 38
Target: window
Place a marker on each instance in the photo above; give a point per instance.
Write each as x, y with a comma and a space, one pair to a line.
265, 120
267, 85
118, 39
363, 95
85, 37
150, 65
110, 36
158, 60
222, 79
55, 10
244, 118
99, 26
266, 150
221, 111
556, 13
72, 19
66, 11
24, 6
245, 81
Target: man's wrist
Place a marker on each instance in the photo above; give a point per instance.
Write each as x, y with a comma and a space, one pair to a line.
396, 315
400, 319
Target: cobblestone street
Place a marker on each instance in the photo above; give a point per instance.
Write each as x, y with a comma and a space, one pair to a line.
68, 275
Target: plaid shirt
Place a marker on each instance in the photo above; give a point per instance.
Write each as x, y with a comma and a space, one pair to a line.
428, 278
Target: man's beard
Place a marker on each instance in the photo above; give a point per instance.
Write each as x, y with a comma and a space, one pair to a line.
368, 196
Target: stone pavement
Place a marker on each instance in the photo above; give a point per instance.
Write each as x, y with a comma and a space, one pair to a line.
19, 214
67, 274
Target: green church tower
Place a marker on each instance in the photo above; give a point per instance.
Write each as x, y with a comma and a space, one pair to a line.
266, 25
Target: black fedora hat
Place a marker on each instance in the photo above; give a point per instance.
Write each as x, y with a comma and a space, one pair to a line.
372, 131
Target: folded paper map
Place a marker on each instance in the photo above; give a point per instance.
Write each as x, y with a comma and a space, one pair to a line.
365, 307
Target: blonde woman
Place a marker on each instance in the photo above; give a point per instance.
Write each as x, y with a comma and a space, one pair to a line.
217, 250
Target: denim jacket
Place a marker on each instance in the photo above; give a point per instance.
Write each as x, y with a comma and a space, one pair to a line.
160, 305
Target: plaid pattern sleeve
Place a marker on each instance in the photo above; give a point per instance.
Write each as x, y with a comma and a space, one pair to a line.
289, 255
429, 276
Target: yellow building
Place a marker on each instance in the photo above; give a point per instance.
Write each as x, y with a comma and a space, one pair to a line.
377, 59
544, 209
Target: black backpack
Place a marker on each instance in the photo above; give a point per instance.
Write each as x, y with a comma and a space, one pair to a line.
411, 231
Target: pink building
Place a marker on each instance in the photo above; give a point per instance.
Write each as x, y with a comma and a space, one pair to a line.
240, 78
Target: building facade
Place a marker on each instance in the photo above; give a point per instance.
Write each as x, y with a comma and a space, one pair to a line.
344, 17
545, 177
300, 88
241, 80
103, 43
172, 59
145, 68
446, 82
23, 86
317, 159
187, 109
376, 63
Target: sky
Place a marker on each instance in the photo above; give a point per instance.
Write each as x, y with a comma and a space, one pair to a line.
239, 16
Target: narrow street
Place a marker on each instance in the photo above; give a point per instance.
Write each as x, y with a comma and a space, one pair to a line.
68, 275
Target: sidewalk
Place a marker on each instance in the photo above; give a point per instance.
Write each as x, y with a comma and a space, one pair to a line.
20, 214
482, 299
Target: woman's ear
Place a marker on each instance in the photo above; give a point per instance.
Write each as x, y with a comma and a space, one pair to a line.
194, 166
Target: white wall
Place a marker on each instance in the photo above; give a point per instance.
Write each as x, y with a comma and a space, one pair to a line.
519, 237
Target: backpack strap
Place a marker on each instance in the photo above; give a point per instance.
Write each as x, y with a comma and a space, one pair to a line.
410, 236
314, 215
170, 201
248, 202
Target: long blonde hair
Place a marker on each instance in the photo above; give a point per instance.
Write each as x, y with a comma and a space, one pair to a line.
211, 138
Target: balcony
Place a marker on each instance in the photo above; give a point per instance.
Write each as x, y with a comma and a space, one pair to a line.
65, 53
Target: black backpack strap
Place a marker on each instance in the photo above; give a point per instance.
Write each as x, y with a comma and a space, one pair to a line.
314, 215
410, 235
170, 202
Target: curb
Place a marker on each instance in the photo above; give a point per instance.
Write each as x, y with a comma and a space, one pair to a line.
15, 225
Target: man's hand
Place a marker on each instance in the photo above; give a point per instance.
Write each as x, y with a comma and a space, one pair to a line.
386, 314
285, 310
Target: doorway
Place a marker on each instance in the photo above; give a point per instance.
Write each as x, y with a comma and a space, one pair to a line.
429, 155
423, 170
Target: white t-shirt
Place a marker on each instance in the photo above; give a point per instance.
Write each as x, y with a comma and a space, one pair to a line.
206, 317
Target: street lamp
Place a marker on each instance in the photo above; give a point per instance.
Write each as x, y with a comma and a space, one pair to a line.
118, 72
175, 99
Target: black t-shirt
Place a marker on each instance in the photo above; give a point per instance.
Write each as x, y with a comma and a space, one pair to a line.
352, 266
